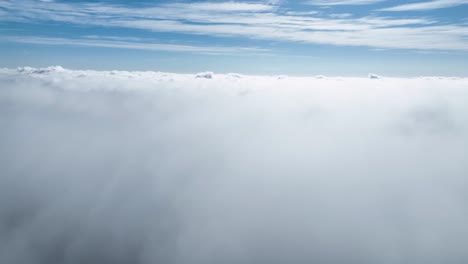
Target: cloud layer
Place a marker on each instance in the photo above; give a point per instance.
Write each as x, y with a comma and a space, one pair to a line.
149, 167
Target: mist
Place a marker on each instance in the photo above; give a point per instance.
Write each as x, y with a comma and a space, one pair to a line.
150, 167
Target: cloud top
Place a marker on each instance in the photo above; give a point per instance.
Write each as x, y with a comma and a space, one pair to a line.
152, 167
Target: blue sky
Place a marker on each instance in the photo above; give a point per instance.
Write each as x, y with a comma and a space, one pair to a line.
309, 37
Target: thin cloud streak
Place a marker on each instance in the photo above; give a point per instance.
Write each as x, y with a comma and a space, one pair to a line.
121, 43
428, 5
226, 6
343, 2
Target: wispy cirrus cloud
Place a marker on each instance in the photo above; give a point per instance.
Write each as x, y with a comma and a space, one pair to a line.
343, 2
226, 6
260, 21
130, 43
427, 5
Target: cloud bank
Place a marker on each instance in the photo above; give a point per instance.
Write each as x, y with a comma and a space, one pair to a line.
150, 167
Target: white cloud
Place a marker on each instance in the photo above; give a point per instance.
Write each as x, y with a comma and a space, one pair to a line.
343, 2
131, 43
427, 5
225, 6
151, 167
342, 15
268, 23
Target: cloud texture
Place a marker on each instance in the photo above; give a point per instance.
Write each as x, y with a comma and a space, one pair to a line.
149, 167
267, 20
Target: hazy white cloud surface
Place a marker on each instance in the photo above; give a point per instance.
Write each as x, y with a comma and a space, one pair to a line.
150, 167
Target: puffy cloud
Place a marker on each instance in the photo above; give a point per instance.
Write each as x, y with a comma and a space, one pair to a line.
151, 167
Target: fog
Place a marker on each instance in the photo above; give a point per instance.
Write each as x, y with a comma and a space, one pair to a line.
150, 167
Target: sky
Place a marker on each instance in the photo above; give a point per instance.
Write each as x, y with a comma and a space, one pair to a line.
304, 37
